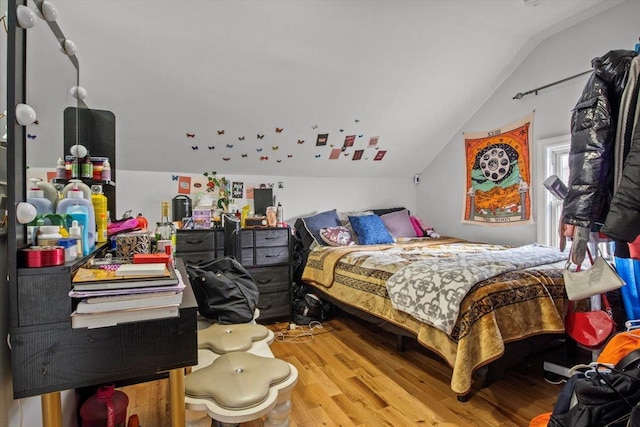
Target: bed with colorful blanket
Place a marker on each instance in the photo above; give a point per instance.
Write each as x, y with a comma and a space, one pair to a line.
464, 301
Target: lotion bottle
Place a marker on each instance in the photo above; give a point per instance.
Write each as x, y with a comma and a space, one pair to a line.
79, 208
36, 197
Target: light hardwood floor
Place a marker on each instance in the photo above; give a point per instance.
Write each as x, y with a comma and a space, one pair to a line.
350, 374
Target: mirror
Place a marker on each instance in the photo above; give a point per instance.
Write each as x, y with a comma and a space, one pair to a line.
3, 118
50, 76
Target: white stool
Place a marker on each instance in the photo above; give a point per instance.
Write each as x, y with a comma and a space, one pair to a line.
241, 381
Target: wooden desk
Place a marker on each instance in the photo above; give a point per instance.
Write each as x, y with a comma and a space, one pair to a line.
49, 356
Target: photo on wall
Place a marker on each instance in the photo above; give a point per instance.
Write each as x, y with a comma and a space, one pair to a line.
498, 175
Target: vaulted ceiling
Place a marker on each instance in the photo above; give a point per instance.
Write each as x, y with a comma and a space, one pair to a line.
253, 87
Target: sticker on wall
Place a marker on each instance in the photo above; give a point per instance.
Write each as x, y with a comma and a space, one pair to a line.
322, 139
221, 132
191, 135
318, 156
263, 158
275, 147
237, 190
212, 147
373, 141
244, 156
349, 140
357, 155
335, 153
241, 138
226, 159
31, 136
314, 127
175, 177
249, 195
279, 130
380, 155
301, 141
184, 185
194, 147
259, 136
357, 120
259, 149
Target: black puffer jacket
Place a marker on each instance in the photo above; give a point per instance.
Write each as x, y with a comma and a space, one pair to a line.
593, 132
623, 221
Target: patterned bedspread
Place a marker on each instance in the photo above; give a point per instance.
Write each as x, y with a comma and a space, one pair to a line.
504, 308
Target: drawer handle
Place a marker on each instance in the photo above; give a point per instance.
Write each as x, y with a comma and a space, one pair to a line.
264, 281
194, 242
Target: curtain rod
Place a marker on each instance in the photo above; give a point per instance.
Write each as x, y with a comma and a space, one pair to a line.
520, 95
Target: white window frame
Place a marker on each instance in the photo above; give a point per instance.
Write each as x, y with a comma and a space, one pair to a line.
546, 163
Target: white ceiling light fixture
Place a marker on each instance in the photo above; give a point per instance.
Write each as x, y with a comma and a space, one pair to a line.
49, 11
26, 17
25, 115
70, 48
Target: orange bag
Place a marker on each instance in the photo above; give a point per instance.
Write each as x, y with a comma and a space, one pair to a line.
541, 420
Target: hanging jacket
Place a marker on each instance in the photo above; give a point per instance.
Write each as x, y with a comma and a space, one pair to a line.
623, 220
593, 131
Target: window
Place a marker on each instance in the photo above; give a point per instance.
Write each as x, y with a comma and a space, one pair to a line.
552, 158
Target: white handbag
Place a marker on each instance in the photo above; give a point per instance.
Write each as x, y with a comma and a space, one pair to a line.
596, 280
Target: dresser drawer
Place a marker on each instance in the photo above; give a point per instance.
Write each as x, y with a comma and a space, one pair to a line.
195, 241
271, 279
271, 237
198, 257
273, 307
272, 255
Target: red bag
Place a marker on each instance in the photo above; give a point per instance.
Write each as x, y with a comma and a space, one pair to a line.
590, 328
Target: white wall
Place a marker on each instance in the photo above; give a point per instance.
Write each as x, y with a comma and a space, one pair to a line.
143, 192
440, 195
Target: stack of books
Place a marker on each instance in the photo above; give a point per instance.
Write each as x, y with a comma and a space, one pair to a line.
113, 294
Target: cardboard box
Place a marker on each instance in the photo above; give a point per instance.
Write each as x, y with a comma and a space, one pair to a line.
201, 219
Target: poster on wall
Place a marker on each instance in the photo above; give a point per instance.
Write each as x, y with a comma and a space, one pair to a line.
498, 175
184, 185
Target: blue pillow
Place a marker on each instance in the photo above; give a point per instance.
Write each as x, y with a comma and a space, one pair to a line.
313, 224
370, 230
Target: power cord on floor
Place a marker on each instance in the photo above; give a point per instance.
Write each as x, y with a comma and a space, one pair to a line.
299, 334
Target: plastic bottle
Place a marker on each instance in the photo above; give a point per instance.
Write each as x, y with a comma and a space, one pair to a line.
99, 201
86, 168
106, 171
75, 232
35, 196
61, 172
108, 407
279, 216
77, 207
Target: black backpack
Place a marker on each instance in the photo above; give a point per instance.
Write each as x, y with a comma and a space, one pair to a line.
225, 291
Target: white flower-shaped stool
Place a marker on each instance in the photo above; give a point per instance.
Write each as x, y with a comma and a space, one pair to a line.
237, 379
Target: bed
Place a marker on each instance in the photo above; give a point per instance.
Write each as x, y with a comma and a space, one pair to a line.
513, 305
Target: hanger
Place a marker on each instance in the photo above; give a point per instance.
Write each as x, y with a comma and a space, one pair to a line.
633, 327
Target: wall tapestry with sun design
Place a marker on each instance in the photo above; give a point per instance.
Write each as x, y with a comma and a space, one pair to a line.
498, 184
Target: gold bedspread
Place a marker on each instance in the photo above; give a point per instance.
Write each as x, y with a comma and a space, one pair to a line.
505, 308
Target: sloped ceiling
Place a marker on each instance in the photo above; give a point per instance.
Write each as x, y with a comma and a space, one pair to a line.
409, 73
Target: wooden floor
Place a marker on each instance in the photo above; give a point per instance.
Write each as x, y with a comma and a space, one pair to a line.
350, 374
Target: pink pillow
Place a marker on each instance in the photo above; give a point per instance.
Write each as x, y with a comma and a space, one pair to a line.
398, 223
416, 226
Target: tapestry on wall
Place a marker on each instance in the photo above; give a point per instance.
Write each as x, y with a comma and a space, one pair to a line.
498, 175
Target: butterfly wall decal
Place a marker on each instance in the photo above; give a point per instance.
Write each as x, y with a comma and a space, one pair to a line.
31, 136
258, 149
264, 157
260, 136
175, 177
279, 130
36, 122
360, 136
194, 147
275, 148
357, 120
244, 155
317, 156
314, 127
190, 135
301, 141
221, 132
241, 138
212, 147
229, 145
278, 161
226, 159
341, 130
289, 155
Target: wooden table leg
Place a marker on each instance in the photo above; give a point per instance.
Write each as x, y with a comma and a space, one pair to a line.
176, 397
51, 409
